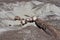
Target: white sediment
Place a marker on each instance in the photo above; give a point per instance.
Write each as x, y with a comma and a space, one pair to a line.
32, 8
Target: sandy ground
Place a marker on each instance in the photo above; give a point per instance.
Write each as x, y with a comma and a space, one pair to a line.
28, 33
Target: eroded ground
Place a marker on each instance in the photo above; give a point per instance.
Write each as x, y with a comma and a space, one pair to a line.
47, 11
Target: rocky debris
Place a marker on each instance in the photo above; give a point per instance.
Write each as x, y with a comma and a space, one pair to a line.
17, 18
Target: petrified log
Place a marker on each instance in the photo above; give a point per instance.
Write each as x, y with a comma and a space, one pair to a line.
48, 28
